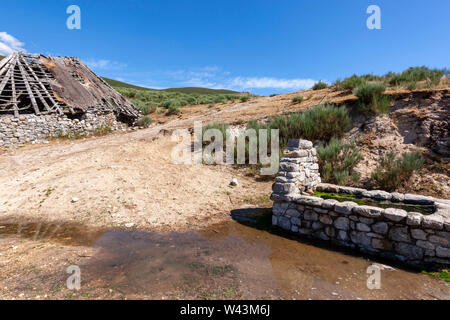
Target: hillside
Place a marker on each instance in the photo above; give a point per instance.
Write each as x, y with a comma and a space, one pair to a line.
187, 90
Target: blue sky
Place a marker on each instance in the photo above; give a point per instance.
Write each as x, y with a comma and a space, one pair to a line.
248, 45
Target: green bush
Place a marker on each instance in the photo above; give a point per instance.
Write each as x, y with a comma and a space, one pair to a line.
173, 109
297, 99
144, 121
370, 97
244, 98
318, 123
416, 74
391, 171
320, 85
351, 83
337, 160
221, 126
368, 91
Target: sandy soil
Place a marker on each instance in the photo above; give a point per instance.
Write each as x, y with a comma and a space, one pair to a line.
125, 182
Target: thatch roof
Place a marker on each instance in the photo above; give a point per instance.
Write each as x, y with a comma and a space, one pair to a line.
65, 85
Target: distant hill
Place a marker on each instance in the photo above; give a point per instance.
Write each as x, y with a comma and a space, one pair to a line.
1, 57
198, 90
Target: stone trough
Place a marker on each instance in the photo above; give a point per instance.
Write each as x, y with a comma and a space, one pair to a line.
409, 237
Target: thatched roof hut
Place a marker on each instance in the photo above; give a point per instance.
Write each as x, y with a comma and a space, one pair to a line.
57, 85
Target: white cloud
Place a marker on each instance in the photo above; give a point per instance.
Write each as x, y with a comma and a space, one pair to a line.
273, 83
103, 64
9, 44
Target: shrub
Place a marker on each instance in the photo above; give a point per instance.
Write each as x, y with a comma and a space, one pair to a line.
337, 160
320, 85
381, 104
318, 123
244, 98
391, 172
173, 109
221, 126
351, 83
371, 98
416, 74
144, 121
297, 99
368, 91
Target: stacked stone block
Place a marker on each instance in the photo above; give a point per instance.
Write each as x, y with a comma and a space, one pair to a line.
410, 237
29, 128
299, 169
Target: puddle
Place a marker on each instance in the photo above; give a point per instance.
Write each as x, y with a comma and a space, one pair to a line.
226, 261
341, 197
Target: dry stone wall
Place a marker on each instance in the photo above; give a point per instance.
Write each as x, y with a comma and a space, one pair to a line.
31, 128
409, 237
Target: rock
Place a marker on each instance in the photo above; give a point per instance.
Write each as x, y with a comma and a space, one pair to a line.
74, 199
397, 197
299, 144
284, 223
234, 182
394, 214
440, 240
409, 251
419, 234
382, 244
292, 213
284, 188
360, 238
425, 245
296, 221
381, 195
329, 203
345, 207
294, 228
399, 234
129, 225
325, 219
443, 252
279, 208
274, 220
433, 221
368, 211
362, 227
414, 219
342, 223
342, 235
417, 199
310, 215
330, 231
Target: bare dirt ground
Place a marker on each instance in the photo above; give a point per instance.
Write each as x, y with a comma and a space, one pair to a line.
131, 226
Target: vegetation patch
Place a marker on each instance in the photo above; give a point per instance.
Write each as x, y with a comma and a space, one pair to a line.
337, 161
320, 85
391, 171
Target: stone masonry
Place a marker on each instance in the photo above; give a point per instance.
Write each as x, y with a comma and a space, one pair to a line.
410, 237
31, 128
299, 169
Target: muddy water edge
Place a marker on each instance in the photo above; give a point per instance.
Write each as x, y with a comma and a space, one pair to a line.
229, 260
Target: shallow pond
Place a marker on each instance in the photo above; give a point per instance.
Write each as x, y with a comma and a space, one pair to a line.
224, 261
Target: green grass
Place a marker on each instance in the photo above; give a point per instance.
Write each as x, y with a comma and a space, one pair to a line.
320, 85
407, 78
444, 274
297, 99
